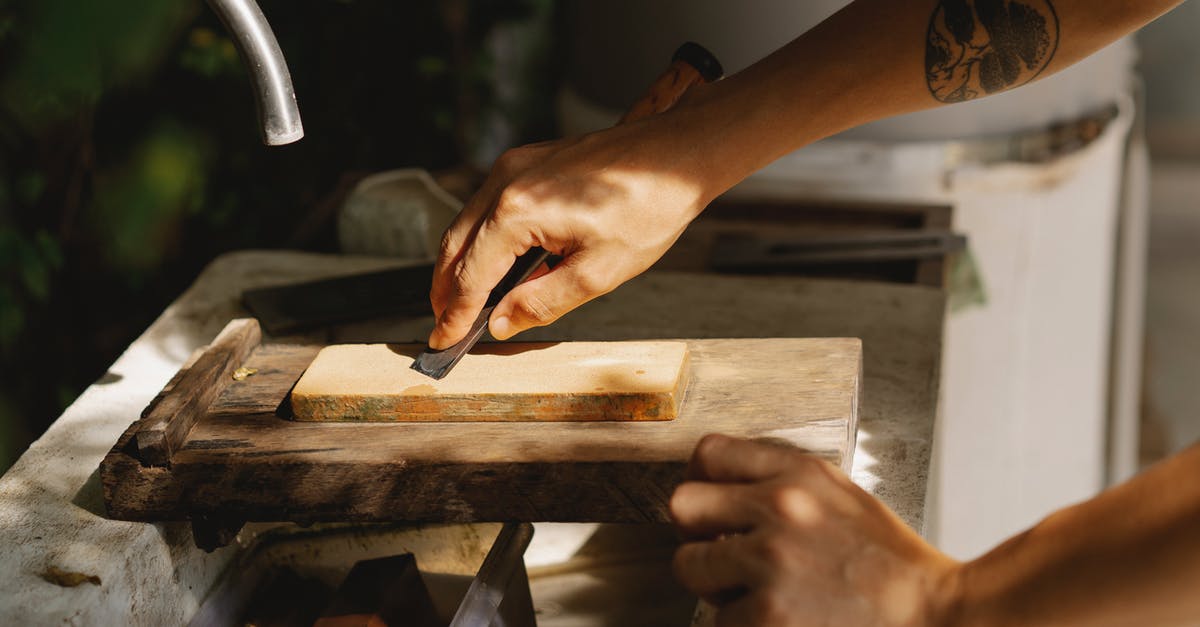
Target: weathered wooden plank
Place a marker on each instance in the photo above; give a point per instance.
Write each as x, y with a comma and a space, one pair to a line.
165, 426
244, 458
276, 368
511, 381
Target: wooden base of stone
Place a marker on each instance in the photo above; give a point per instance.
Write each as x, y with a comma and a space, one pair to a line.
244, 459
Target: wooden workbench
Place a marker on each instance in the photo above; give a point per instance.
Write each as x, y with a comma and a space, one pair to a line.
50, 508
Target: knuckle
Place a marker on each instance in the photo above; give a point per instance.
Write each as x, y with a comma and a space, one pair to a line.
680, 499
794, 505
514, 200
780, 499
452, 319
593, 283
536, 310
462, 286
508, 161
707, 450
709, 445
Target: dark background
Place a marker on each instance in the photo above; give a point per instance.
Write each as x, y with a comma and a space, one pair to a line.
130, 156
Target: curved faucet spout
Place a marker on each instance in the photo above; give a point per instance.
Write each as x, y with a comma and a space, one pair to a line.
277, 111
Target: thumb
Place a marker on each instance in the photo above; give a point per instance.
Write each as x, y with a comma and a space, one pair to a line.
544, 299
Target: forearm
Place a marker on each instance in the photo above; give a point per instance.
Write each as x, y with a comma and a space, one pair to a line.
1130, 556
879, 58
612, 202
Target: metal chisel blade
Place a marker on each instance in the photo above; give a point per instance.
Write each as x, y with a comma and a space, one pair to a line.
437, 363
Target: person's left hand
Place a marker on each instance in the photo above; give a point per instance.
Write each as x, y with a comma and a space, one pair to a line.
779, 538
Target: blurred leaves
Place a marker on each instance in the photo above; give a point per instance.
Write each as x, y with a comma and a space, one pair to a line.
69, 51
29, 265
74, 226
130, 157
12, 315
10, 429
429, 66
209, 54
140, 201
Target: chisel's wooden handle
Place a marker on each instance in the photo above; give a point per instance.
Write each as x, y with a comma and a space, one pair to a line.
692, 64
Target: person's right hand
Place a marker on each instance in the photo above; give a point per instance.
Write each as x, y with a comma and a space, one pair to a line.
609, 203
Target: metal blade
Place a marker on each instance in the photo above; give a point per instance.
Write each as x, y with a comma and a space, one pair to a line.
437, 363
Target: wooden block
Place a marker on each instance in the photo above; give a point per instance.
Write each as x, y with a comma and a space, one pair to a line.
567, 381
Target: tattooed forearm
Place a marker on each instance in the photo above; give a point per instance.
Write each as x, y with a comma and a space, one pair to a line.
980, 47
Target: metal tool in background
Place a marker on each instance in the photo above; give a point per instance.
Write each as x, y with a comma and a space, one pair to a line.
298, 307
275, 560
747, 253
499, 596
691, 65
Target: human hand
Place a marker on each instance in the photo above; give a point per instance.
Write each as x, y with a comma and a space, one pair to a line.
609, 203
781, 538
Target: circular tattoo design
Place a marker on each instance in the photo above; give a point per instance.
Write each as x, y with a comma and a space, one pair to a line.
980, 47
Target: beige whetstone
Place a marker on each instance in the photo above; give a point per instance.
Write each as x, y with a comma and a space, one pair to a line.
565, 381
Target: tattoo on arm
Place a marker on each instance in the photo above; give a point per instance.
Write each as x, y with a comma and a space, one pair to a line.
980, 47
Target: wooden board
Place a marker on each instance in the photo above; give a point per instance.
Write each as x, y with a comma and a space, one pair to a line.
245, 460
512, 381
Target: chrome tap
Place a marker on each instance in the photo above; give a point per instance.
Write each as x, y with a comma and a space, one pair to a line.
277, 111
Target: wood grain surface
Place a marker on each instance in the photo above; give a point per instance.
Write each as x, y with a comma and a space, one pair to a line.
245, 458
508, 381
165, 425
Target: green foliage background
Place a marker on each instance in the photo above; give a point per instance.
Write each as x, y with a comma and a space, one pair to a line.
130, 156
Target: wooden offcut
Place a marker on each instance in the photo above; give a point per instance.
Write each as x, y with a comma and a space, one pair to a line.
170, 417
567, 381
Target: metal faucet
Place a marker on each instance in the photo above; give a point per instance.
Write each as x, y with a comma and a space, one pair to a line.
277, 111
